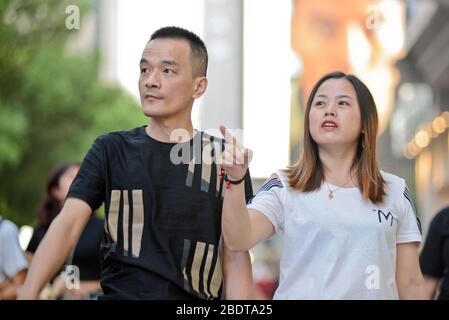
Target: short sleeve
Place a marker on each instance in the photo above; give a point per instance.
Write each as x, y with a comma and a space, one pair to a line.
89, 183
409, 229
431, 258
270, 201
14, 258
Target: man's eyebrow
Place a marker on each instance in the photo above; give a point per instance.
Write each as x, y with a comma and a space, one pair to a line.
170, 62
166, 62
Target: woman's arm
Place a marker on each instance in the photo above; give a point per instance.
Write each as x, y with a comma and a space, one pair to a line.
409, 279
242, 228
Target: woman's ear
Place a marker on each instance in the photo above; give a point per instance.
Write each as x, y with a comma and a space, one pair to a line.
200, 87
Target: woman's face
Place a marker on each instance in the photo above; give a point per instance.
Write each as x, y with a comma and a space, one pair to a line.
334, 117
66, 179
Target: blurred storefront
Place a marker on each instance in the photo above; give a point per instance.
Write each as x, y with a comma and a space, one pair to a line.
419, 127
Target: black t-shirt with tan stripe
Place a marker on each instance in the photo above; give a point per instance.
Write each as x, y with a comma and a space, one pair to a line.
163, 205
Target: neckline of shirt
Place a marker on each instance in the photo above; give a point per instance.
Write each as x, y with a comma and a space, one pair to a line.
334, 187
144, 133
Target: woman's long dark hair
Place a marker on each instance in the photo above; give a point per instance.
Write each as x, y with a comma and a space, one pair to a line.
50, 206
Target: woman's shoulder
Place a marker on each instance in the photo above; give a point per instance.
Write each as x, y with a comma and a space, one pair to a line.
396, 188
393, 181
281, 177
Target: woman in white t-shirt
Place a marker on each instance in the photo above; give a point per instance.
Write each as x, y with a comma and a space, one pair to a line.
350, 230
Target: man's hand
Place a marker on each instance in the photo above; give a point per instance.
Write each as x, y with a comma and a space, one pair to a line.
235, 158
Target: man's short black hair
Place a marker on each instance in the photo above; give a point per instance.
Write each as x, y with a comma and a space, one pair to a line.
198, 49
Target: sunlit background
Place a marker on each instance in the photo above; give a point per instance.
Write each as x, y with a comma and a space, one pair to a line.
265, 55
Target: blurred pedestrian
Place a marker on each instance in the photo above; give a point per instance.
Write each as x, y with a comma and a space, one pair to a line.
13, 264
434, 257
86, 255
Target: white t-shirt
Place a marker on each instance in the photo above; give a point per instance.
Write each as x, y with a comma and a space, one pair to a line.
344, 248
12, 258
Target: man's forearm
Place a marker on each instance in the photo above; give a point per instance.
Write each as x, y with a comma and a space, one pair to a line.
413, 291
49, 257
238, 276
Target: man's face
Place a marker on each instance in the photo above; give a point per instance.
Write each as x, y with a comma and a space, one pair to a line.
167, 83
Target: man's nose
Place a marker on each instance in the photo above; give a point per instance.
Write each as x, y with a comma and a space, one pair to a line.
153, 80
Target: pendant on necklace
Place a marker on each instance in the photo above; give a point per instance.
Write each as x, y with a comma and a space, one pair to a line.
330, 195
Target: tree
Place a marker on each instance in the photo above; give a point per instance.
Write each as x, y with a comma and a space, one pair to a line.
52, 103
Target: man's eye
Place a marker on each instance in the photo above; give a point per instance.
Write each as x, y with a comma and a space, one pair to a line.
168, 71
144, 70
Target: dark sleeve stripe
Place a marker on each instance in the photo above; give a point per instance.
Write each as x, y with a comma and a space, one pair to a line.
407, 196
272, 183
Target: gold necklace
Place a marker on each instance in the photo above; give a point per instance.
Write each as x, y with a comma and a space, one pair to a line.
331, 192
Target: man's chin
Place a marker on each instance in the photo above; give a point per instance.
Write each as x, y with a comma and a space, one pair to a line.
154, 114
150, 111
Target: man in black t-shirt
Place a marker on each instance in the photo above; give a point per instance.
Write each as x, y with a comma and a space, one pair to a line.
162, 190
434, 257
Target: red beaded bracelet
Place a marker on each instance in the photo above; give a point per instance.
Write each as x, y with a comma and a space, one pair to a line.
229, 182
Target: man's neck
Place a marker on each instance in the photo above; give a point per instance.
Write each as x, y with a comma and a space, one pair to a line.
170, 130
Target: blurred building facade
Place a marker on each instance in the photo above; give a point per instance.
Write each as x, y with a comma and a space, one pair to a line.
419, 128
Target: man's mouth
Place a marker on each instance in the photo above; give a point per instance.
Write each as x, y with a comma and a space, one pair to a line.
152, 96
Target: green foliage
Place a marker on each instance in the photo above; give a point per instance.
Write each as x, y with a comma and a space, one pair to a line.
52, 104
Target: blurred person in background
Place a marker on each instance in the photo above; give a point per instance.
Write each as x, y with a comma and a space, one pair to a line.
350, 230
434, 257
86, 255
13, 264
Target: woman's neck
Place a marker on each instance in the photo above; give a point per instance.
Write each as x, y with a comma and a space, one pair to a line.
337, 166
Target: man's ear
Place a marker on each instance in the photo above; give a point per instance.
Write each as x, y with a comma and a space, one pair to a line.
200, 87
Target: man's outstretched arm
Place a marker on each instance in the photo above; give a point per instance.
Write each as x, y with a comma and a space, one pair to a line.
52, 252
